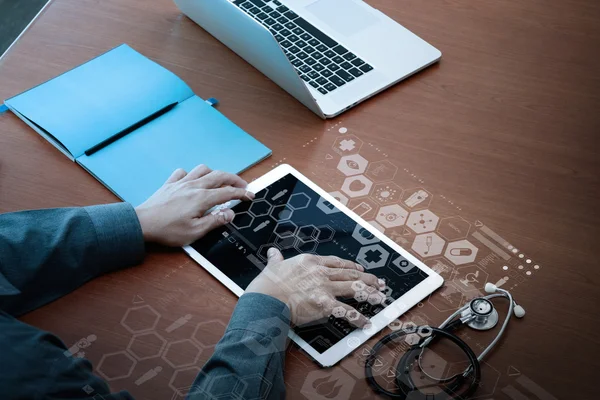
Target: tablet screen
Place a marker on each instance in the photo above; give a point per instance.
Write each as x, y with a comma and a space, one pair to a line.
295, 219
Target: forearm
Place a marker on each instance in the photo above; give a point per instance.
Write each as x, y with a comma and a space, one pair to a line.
45, 254
250, 357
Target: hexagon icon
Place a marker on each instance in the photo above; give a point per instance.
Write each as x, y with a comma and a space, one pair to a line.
461, 252
261, 194
387, 193
182, 381
354, 164
422, 221
470, 278
182, 353
140, 319
357, 286
373, 256
235, 385
454, 228
357, 186
281, 212
117, 365
269, 344
438, 367
263, 249
144, 346
326, 233
417, 198
299, 201
285, 229
391, 216
412, 339
381, 171
347, 144
338, 312
339, 197
285, 242
364, 207
326, 206
403, 265
242, 220
306, 246
208, 333
332, 383
260, 381
428, 245
361, 296
308, 232
376, 298
260, 208
447, 299
376, 225
364, 236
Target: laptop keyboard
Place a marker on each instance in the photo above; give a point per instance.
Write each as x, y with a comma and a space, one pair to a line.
320, 61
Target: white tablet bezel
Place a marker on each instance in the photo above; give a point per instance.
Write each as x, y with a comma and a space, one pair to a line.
344, 347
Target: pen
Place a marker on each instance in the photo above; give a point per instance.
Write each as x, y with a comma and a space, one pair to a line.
126, 131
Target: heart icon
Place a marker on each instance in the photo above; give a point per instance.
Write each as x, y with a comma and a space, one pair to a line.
357, 185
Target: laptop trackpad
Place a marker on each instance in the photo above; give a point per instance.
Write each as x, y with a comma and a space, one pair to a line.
346, 17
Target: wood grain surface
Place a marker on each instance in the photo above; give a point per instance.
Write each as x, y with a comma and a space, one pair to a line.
504, 130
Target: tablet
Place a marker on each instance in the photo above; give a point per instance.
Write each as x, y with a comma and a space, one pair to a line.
293, 214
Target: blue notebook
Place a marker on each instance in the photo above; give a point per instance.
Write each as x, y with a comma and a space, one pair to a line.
130, 123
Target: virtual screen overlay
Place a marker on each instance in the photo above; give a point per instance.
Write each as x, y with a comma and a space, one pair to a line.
290, 216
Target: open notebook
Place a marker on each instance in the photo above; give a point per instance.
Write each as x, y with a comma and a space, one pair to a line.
130, 123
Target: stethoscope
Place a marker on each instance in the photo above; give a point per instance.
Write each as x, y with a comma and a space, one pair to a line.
478, 314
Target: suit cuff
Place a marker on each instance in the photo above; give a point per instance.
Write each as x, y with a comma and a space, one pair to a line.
119, 235
263, 317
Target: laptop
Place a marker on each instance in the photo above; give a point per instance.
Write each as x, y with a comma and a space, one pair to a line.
328, 54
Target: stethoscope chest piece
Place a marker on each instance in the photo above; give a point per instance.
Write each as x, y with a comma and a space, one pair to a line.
481, 315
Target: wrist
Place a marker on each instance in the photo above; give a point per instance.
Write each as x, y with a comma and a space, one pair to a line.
145, 223
268, 288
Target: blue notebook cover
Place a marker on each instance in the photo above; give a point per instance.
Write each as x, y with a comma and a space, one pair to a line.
115, 91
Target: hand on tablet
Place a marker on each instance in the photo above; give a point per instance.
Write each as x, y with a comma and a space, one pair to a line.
174, 215
309, 285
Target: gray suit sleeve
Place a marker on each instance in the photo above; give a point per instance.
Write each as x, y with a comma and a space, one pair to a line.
248, 361
45, 254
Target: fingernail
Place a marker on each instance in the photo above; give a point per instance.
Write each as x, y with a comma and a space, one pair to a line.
360, 267
227, 215
271, 252
381, 282
368, 326
250, 195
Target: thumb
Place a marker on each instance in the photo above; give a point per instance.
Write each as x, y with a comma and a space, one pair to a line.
274, 255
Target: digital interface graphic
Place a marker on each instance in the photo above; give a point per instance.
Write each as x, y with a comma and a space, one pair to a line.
394, 199
290, 216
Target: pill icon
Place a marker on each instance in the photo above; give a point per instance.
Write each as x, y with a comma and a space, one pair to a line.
461, 251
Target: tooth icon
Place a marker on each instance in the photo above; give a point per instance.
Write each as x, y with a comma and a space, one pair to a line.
352, 164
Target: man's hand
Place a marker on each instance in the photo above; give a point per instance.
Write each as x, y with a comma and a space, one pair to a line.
309, 285
174, 215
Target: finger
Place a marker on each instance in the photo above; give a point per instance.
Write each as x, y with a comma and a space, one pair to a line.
176, 175
222, 195
348, 289
209, 222
352, 275
274, 256
336, 262
351, 315
217, 179
198, 172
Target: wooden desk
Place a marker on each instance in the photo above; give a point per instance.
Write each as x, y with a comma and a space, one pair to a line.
504, 131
